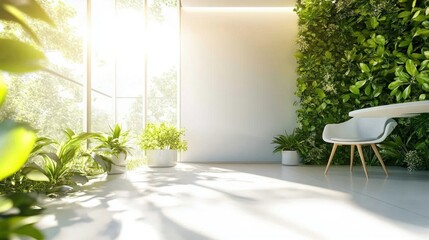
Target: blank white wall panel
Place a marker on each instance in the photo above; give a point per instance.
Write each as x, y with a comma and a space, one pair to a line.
238, 79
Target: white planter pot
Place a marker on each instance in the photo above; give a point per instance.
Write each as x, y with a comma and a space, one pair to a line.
161, 158
119, 164
290, 158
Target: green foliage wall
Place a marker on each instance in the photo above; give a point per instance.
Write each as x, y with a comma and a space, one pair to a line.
355, 54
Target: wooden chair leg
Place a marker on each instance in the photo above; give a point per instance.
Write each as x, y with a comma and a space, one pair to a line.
352, 154
362, 159
379, 158
334, 148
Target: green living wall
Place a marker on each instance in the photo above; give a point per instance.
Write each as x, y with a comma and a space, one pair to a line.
354, 54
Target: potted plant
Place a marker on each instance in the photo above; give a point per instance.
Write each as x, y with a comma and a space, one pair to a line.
161, 143
113, 149
288, 145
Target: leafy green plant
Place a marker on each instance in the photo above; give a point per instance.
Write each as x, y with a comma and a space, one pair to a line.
162, 136
57, 166
114, 142
110, 144
287, 142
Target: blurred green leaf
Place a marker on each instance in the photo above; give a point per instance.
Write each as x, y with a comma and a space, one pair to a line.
37, 176
422, 78
411, 68
406, 93
380, 39
354, 89
29, 7
374, 23
404, 14
364, 67
320, 93
19, 57
16, 142
422, 32
3, 91
360, 84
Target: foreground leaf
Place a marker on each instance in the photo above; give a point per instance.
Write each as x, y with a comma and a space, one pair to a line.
19, 57
16, 142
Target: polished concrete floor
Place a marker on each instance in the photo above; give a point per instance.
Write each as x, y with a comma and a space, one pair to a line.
245, 201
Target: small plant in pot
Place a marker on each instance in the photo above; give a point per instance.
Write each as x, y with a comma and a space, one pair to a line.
161, 143
112, 150
288, 145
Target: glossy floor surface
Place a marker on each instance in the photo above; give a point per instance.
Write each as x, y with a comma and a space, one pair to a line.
245, 201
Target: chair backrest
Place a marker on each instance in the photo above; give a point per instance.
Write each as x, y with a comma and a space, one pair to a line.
359, 129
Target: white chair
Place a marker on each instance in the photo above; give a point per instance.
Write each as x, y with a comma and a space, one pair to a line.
358, 132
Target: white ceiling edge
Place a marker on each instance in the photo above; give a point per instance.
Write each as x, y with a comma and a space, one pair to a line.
237, 3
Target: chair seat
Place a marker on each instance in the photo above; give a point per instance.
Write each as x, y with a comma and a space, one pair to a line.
353, 139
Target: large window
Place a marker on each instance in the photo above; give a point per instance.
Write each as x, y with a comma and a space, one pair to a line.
123, 70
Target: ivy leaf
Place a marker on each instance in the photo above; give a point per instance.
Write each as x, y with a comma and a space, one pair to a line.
364, 67
421, 32
410, 49
404, 14
426, 23
414, 4
368, 90
19, 57
380, 51
320, 93
345, 98
377, 91
395, 84
416, 14
426, 53
423, 65
405, 43
422, 78
427, 11
422, 97
354, 89
380, 39
374, 23
411, 68
360, 84
425, 87
406, 93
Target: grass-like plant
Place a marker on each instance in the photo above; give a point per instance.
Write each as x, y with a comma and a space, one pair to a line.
286, 142
57, 166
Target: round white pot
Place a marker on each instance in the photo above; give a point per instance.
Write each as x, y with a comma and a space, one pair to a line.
119, 164
161, 158
290, 158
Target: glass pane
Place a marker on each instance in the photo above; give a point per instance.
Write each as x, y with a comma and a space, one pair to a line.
102, 112
103, 46
130, 45
52, 102
48, 103
163, 55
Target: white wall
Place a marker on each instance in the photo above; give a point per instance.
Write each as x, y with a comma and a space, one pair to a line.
238, 79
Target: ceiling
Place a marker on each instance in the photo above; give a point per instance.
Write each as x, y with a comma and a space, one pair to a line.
238, 3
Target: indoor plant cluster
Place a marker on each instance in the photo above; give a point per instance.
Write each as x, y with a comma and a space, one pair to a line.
355, 54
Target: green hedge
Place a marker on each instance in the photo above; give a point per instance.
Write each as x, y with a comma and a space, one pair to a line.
354, 54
